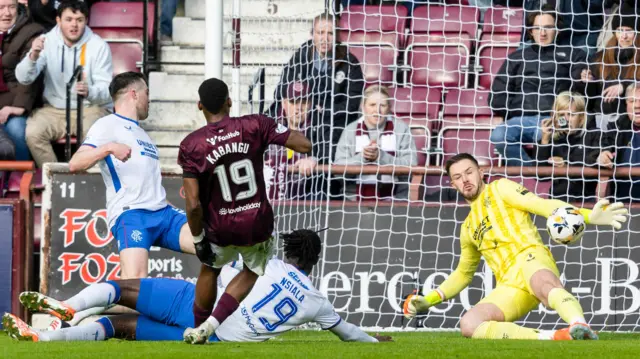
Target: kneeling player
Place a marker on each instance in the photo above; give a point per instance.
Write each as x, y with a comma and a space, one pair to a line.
281, 300
499, 228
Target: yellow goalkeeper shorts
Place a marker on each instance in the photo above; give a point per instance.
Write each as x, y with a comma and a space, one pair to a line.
513, 294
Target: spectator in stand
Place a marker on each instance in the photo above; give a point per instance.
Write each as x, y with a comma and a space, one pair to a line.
614, 68
335, 82
569, 138
377, 139
17, 33
167, 12
583, 21
57, 54
44, 12
526, 85
621, 146
293, 112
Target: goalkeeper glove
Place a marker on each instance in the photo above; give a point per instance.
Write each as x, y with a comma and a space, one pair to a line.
605, 214
416, 304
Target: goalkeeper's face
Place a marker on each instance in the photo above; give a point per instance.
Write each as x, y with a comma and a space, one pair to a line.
466, 178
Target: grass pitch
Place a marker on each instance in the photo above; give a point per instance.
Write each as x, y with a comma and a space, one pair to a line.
314, 344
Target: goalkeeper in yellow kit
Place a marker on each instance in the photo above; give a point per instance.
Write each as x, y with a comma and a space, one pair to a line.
500, 229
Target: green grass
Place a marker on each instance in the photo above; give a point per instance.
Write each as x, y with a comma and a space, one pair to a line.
312, 344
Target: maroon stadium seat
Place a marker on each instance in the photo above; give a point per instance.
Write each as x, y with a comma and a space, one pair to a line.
378, 63
475, 141
502, 24
416, 106
468, 107
440, 22
374, 24
126, 56
422, 139
122, 20
490, 58
436, 66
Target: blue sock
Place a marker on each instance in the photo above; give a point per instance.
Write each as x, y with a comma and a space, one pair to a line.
148, 329
109, 332
116, 286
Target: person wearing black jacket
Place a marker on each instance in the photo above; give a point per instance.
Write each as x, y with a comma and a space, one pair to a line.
524, 90
335, 82
569, 138
621, 146
615, 68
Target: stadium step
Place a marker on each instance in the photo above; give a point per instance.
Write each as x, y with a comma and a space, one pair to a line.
184, 87
305, 9
248, 55
254, 32
173, 116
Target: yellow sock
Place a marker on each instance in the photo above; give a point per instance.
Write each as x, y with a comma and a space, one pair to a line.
566, 305
504, 330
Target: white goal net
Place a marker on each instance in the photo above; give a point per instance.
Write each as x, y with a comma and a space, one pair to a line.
394, 229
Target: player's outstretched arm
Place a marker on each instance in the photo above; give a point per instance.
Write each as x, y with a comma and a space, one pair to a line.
348, 332
519, 197
88, 155
452, 286
298, 142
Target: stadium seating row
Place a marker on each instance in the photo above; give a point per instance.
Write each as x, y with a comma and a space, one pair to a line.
436, 44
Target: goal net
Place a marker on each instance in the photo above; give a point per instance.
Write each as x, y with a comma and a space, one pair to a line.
394, 229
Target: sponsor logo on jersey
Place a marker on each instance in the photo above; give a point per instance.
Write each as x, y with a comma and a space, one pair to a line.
216, 139
295, 277
523, 191
136, 236
246, 207
247, 317
481, 230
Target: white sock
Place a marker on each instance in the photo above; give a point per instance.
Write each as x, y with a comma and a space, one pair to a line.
79, 316
95, 295
578, 320
89, 332
546, 334
213, 322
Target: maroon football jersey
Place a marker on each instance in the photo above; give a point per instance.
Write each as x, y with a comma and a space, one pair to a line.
227, 159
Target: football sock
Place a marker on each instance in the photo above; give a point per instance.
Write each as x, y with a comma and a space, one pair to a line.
79, 316
566, 305
148, 329
95, 295
226, 306
99, 330
504, 330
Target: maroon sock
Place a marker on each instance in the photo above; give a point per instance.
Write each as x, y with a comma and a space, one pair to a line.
226, 306
200, 315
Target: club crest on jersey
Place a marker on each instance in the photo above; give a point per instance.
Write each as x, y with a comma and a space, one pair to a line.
136, 236
216, 139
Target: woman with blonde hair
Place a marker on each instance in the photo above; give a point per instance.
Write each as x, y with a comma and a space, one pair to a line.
377, 138
570, 138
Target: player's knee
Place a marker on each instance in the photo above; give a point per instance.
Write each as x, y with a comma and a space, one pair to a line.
498, 135
468, 325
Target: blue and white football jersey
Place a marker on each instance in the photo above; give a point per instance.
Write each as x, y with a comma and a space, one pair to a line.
137, 183
282, 299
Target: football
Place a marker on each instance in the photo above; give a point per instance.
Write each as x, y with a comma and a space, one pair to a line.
565, 225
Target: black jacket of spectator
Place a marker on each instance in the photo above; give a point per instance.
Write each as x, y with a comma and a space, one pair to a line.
530, 79
15, 46
45, 14
579, 149
616, 138
348, 85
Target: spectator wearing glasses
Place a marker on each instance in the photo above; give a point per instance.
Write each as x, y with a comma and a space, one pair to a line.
615, 68
525, 88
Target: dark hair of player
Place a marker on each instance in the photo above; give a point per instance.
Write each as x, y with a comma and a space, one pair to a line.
74, 6
122, 82
213, 93
457, 158
302, 246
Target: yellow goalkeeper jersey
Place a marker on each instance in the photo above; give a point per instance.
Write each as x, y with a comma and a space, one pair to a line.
498, 227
